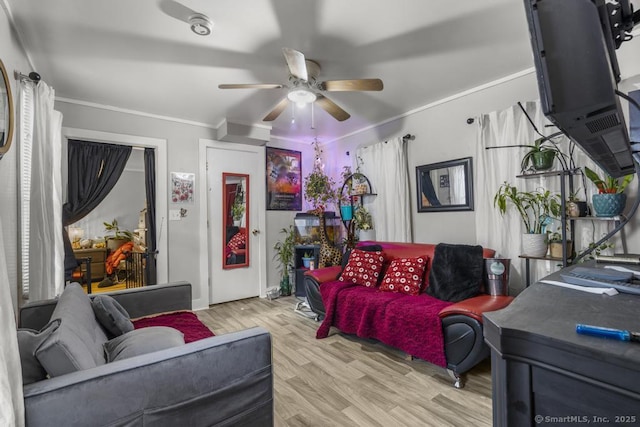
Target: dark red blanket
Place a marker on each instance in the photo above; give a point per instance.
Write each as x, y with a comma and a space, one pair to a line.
185, 321
409, 323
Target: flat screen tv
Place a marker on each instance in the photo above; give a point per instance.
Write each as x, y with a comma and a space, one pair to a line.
574, 44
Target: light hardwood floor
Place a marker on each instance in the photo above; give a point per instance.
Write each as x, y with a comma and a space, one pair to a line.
347, 381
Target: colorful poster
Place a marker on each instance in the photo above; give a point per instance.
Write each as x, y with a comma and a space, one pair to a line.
284, 179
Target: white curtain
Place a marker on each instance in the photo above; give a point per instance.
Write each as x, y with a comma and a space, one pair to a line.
385, 164
11, 400
41, 192
494, 166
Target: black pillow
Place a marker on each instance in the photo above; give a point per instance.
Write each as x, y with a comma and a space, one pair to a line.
28, 342
111, 315
366, 248
456, 272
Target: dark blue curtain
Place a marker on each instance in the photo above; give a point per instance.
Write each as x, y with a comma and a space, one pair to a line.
428, 190
150, 185
94, 169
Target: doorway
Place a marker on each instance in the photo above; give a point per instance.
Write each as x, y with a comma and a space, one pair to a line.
222, 283
160, 147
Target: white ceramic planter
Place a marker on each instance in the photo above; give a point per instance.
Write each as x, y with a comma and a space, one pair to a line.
367, 235
534, 245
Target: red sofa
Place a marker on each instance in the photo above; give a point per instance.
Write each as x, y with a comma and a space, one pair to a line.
444, 333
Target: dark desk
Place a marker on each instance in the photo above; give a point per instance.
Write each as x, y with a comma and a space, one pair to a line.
541, 367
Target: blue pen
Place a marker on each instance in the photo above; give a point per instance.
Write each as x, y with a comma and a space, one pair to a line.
616, 334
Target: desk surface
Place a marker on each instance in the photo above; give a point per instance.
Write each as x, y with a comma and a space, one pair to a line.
551, 313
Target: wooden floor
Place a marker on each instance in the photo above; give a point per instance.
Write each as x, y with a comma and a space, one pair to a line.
347, 381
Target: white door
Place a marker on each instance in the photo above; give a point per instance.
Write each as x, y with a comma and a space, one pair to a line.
230, 284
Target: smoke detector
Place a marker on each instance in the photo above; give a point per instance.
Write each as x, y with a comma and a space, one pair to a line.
201, 24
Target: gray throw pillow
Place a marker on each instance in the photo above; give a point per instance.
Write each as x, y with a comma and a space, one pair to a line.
111, 315
142, 341
28, 342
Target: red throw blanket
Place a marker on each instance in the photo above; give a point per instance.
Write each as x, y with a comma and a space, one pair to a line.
184, 321
409, 323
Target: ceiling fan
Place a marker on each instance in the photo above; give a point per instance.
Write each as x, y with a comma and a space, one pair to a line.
305, 88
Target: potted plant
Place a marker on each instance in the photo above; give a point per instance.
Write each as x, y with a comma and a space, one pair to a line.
307, 257
364, 222
610, 200
284, 256
555, 245
536, 208
319, 188
541, 155
575, 206
119, 236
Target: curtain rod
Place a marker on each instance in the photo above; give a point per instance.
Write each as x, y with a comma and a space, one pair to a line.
407, 137
32, 77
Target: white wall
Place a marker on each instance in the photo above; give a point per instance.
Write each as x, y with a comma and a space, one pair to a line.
182, 147
442, 133
183, 157
13, 58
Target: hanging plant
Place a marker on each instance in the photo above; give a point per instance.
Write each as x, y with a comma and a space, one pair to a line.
319, 188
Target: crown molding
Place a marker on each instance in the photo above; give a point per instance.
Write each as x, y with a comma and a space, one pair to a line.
135, 112
450, 98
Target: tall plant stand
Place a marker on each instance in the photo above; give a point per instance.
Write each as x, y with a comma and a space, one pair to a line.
566, 176
355, 187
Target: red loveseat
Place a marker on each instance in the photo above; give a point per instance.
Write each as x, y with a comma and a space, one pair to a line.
443, 333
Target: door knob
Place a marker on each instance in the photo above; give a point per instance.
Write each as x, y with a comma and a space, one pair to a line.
255, 231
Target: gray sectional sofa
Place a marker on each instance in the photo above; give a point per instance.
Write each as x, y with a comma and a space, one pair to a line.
223, 380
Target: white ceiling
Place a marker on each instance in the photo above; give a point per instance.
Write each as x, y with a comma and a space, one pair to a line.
138, 55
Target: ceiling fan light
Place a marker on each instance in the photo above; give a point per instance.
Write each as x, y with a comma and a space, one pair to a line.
200, 24
301, 96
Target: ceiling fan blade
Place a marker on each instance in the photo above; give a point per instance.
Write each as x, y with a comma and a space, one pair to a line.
276, 111
352, 85
332, 108
296, 63
251, 86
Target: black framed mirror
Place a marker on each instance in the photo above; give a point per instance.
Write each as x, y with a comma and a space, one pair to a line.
445, 186
235, 220
6, 112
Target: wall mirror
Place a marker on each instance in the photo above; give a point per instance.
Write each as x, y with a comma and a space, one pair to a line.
445, 186
6, 112
235, 220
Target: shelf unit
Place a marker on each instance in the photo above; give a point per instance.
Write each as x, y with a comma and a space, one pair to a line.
355, 200
564, 219
298, 252
562, 174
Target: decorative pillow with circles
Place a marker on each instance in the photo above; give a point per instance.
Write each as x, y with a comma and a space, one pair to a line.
363, 268
405, 275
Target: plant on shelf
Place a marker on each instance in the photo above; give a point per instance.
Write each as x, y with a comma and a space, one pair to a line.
284, 255
319, 188
536, 209
555, 244
541, 155
575, 206
364, 222
610, 200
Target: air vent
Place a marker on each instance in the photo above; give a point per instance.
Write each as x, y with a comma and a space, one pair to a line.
603, 123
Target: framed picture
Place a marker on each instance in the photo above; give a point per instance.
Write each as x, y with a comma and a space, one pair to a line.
284, 179
182, 187
445, 186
